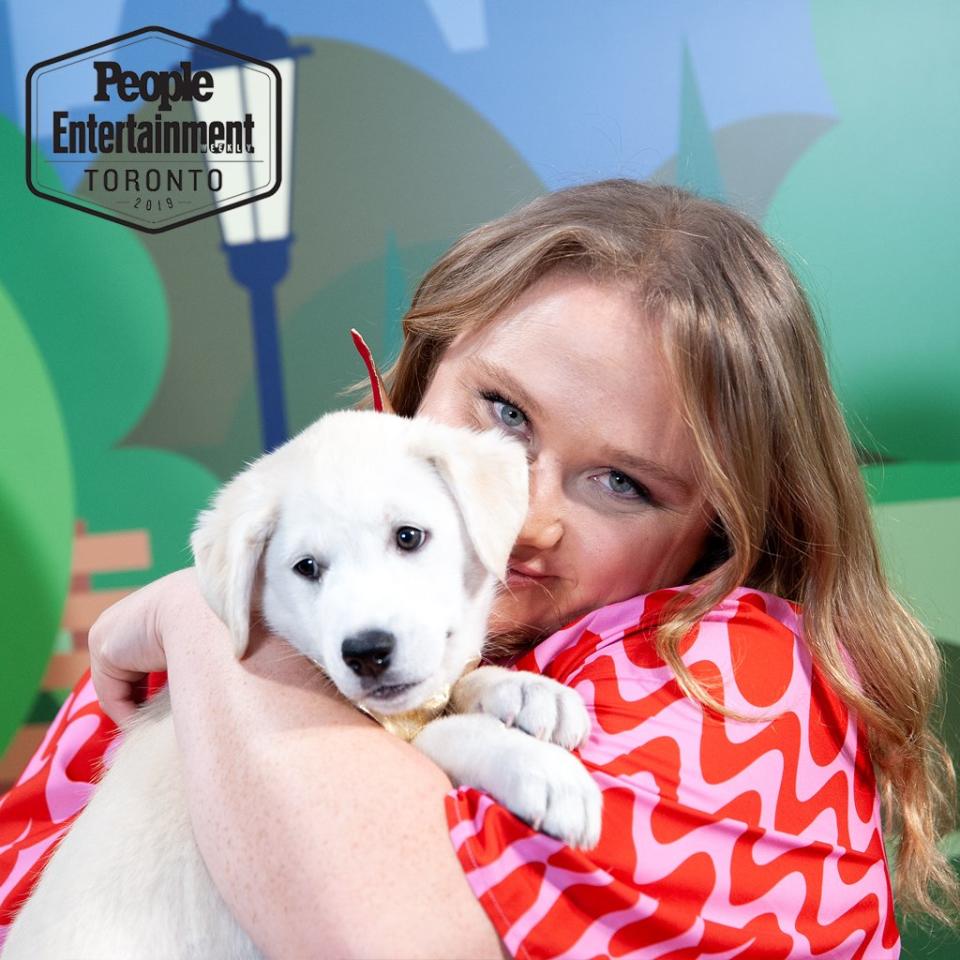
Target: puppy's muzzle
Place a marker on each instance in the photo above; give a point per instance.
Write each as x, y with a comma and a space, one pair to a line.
368, 653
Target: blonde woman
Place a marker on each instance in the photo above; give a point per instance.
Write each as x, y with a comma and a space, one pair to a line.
698, 562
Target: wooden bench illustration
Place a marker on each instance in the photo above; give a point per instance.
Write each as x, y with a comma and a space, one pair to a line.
93, 553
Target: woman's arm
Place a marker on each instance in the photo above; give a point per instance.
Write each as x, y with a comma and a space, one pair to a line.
325, 834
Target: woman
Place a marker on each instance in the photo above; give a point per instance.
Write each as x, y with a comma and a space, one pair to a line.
699, 547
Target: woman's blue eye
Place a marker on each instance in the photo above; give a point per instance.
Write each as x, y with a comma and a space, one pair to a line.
623, 483
496, 398
519, 414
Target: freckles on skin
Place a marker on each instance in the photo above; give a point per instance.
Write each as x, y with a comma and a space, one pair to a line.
593, 379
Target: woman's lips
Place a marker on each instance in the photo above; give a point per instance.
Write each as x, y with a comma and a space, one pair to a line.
518, 574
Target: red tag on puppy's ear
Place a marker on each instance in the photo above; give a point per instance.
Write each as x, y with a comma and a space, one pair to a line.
381, 401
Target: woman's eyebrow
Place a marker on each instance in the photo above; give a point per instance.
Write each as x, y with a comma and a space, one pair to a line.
508, 381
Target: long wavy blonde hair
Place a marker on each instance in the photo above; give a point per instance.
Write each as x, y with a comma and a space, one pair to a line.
777, 462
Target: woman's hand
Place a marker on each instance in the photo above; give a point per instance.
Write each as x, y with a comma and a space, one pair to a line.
126, 640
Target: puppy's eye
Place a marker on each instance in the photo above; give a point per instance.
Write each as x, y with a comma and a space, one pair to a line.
308, 568
410, 538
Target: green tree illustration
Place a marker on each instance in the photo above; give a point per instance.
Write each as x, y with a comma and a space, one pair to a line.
93, 305
36, 517
870, 217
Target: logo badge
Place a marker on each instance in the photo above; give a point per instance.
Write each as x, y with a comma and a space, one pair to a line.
154, 129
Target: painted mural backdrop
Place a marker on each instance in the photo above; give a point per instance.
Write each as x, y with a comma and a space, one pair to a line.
128, 389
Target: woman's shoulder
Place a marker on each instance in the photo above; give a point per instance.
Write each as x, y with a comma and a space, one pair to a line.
724, 823
748, 652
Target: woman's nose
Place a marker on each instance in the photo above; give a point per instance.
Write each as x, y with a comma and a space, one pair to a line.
543, 526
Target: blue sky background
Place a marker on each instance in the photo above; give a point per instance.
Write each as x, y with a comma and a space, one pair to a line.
581, 90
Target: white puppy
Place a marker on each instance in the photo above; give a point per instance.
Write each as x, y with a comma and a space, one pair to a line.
374, 544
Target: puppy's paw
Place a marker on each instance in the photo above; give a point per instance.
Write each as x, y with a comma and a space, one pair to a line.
541, 783
551, 790
530, 702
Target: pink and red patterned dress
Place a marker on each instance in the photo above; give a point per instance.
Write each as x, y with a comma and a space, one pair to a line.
721, 838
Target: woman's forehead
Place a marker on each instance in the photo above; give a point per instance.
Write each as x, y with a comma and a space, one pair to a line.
579, 317
579, 360
574, 334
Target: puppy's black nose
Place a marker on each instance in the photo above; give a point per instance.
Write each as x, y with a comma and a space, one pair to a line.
367, 653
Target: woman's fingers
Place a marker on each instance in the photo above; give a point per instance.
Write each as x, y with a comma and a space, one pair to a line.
115, 689
124, 647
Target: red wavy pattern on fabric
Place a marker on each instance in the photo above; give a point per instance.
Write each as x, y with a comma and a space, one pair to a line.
26, 820
761, 839
52, 791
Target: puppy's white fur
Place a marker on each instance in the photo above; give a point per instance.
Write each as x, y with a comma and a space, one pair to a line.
128, 881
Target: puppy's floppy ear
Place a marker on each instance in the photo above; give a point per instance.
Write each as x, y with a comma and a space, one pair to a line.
487, 474
227, 542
